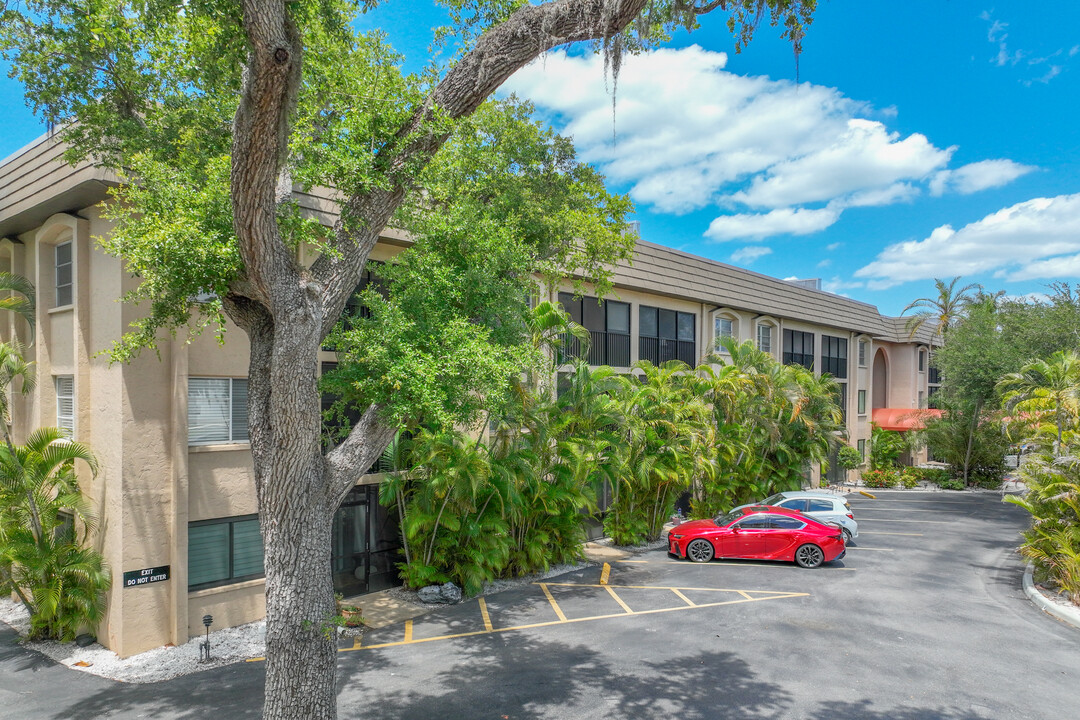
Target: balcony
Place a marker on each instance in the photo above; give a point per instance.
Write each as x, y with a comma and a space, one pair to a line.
660, 350
605, 348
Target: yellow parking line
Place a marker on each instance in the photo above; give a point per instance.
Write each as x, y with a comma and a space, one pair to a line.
745, 594
687, 600
484, 614
618, 599
554, 605
576, 620
769, 565
408, 631
778, 593
604, 574
881, 532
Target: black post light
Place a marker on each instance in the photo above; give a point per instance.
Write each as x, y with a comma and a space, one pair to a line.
204, 647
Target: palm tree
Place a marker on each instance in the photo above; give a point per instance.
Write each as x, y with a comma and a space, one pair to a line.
43, 558
944, 310
22, 306
1051, 384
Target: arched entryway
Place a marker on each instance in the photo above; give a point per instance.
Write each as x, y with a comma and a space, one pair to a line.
880, 395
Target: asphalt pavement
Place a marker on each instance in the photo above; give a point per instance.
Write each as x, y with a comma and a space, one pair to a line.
924, 618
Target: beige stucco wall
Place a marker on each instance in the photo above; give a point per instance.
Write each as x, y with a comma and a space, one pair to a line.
230, 605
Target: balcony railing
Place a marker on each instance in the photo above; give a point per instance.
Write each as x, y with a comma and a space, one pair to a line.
605, 348
660, 350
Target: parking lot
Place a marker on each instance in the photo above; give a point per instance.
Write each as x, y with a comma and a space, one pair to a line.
924, 618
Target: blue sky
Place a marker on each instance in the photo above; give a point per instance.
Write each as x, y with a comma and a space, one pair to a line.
924, 139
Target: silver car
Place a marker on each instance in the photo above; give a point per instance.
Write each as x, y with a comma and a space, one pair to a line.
817, 504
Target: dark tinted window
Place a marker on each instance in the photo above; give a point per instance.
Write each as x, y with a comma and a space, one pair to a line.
647, 321
787, 523
686, 326
795, 504
594, 314
667, 324
754, 522
618, 317
820, 506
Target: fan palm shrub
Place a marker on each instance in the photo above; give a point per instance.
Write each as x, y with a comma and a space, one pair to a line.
45, 524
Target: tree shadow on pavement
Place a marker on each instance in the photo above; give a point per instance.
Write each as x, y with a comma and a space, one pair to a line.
528, 679
862, 710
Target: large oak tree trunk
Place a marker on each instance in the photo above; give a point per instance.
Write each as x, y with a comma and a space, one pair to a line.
287, 310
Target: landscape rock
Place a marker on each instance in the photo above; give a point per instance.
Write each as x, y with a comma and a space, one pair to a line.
451, 593
445, 594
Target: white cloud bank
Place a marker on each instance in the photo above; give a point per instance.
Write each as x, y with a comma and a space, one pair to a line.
1035, 239
779, 158
748, 255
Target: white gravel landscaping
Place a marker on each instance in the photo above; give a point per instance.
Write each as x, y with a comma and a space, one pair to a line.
163, 663
226, 646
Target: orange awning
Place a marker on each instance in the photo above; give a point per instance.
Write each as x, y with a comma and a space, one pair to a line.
902, 419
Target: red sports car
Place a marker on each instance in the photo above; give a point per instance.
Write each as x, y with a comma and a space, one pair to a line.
761, 533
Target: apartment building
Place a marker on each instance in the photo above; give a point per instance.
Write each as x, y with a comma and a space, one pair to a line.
175, 494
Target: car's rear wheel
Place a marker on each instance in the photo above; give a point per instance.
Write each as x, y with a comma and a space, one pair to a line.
847, 536
699, 550
809, 556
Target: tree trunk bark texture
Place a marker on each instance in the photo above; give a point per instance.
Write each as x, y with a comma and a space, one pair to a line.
287, 310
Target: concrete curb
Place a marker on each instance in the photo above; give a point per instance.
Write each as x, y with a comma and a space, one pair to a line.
1064, 613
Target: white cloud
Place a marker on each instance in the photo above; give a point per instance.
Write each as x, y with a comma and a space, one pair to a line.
831, 247
785, 221
749, 254
825, 263
687, 135
1038, 238
864, 157
837, 286
977, 176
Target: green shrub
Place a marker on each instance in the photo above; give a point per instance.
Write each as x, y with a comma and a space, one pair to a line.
848, 457
909, 479
880, 478
950, 484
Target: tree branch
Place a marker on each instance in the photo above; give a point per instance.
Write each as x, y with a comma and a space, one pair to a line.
260, 144
499, 52
352, 458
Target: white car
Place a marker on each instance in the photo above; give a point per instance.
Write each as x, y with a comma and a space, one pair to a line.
817, 504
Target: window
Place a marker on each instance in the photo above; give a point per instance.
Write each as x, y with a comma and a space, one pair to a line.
930, 393
217, 410
861, 447
754, 522
787, 523
821, 506
935, 376
862, 353
834, 356
862, 402
764, 337
841, 400
608, 324
63, 275
723, 327
799, 348
224, 551
795, 504
922, 360
666, 335
65, 404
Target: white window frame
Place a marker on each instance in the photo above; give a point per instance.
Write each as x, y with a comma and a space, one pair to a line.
768, 328
65, 394
70, 284
719, 334
862, 352
220, 414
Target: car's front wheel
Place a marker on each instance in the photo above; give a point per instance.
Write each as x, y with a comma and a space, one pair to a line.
699, 550
809, 556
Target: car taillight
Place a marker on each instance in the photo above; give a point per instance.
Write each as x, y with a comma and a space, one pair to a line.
851, 516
